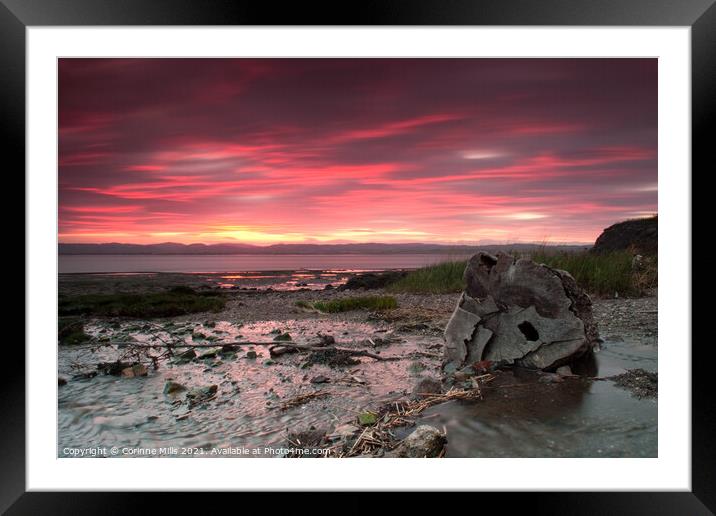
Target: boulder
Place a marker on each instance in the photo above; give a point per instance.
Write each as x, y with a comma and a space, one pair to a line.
516, 311
425, 441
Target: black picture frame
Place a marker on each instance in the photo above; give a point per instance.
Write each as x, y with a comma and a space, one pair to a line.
700, 15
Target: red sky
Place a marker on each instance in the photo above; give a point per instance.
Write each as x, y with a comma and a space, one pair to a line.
354, 150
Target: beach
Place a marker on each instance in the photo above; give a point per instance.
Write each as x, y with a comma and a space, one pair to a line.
261, 396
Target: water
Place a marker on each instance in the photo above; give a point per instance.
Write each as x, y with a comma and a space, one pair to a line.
236, 263
576, 418
134, 413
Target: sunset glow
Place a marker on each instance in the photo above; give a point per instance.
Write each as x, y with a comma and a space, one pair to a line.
267, 151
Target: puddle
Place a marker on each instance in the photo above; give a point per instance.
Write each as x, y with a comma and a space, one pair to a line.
282, 280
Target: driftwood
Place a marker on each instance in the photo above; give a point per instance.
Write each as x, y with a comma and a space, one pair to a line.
274, 347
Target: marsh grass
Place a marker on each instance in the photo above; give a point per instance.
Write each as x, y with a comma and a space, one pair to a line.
175, 301
599, 274
71, 330
355, 303
441, 278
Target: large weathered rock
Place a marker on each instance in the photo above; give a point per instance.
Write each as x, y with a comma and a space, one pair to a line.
516, 311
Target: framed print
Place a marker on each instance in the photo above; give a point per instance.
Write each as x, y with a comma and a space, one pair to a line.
423, 238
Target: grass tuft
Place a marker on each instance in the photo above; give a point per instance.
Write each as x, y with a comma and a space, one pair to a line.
176, 301
356, 303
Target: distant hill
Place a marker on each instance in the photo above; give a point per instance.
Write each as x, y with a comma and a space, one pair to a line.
642, 235
369, 248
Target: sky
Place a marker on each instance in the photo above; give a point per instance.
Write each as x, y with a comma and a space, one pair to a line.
266, 151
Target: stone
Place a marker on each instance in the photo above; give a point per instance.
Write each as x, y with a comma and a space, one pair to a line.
320, 379
426, 387
282, 337
61, 381
251, 354
516, 311
171, 387
325, 340
202, 393
113, 368
134, 371
424, 442
209, 354
186, 357
565, 370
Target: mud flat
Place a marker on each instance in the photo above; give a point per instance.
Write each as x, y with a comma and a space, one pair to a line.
241, 389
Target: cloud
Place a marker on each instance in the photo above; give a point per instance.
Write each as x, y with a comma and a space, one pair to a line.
274, 150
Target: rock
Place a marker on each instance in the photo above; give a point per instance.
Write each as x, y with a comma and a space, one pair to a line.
425, 387
424, 442
113, 368
185, 357
251, 354
367, 418
325, 340
329, 287
282, 337
320, 379
61, 381
134, 371
197, 394
372, 280
564, 371
209, 354
331, 357
311, 439
639, 235
171, 387
550, 378
516, 311
88, 375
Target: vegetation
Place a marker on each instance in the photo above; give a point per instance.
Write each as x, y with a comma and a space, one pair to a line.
442, 278
71, 330
175, 301
604, 274
352, 303
599, 274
